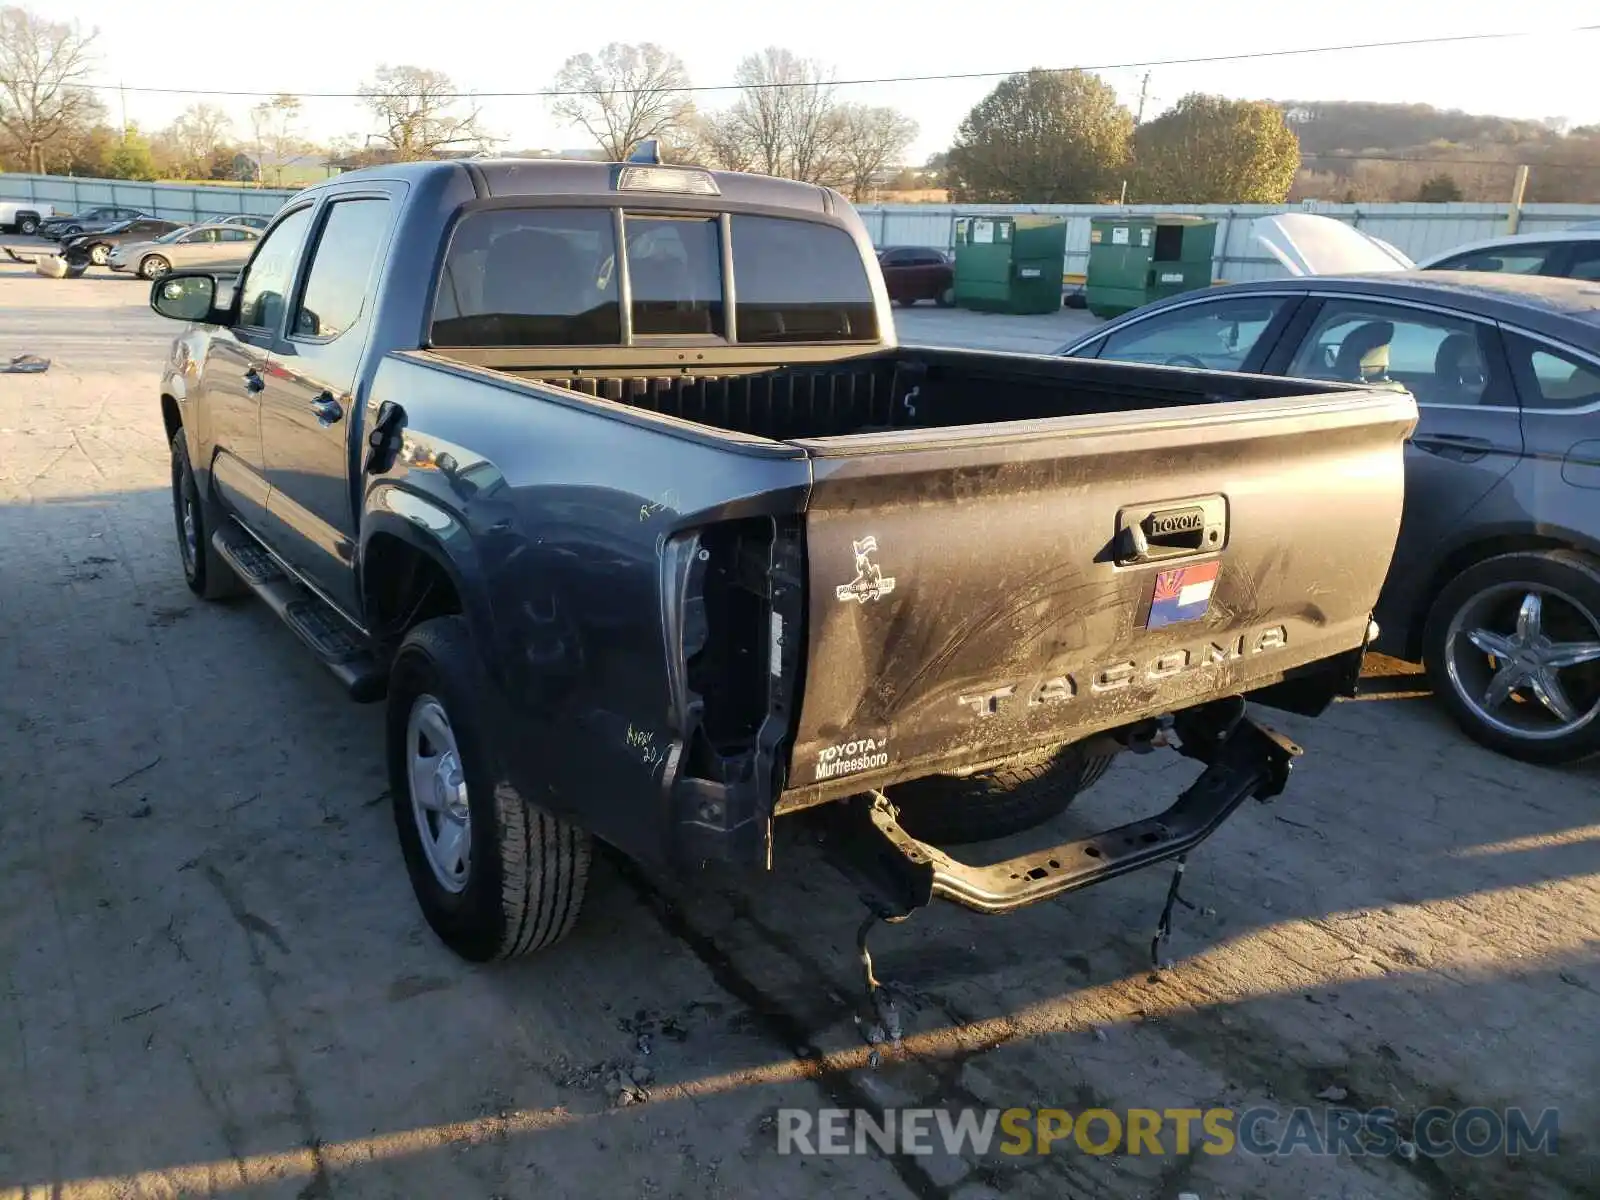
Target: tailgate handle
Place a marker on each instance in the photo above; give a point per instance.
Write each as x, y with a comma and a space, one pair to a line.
1151, 532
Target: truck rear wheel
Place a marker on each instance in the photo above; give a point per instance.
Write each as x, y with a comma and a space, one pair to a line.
496, 876
994, 804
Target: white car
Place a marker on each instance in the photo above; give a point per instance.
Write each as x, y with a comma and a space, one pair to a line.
211, 247
1569, 253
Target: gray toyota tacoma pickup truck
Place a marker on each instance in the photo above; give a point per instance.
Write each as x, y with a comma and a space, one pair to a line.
614, 484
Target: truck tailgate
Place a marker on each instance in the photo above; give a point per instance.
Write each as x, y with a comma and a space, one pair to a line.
971, 593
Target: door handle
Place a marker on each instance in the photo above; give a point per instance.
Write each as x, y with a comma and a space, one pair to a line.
328, 409
1455, 446
253, 382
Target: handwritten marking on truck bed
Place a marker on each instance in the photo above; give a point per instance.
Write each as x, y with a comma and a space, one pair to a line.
870, 582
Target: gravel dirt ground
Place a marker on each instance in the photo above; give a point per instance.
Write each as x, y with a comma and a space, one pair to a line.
216, 980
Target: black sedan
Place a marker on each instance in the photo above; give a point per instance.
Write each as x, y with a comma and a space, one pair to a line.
1495, 583
90, 220
97, 247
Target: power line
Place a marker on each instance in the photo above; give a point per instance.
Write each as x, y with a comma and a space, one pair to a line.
1197, 60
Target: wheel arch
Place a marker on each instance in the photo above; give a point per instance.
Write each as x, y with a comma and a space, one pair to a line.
407, 574
171, 415
1486, 544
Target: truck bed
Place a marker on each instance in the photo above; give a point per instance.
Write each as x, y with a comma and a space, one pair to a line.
902, 389
963, 523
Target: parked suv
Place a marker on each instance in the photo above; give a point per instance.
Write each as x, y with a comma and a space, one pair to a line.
913, 273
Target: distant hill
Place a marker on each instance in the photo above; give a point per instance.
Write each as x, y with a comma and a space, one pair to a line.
1352, 127
1349, 151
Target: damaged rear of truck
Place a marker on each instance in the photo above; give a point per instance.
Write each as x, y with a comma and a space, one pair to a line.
649, 529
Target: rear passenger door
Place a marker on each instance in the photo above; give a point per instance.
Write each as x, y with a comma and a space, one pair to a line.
1558, 485
1577, 260
311, 406
1468, 437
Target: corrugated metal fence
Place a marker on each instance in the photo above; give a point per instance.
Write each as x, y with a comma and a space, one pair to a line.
1419, 230
173, 201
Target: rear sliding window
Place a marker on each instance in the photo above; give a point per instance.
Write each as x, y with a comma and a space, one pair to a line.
530, 277
796, 281
549, 277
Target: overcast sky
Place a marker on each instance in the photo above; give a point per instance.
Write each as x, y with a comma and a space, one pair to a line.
301, 46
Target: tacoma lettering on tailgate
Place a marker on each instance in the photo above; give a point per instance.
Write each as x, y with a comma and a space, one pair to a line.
1058, 689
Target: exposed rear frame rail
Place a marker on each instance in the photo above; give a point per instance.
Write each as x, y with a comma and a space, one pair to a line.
899, 873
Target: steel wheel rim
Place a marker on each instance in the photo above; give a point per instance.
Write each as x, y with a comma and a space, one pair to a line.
1525, 660
438, 788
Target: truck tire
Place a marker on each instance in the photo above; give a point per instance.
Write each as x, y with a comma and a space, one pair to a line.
1542, 610
27, 224
204, 570
950, 809
495, 875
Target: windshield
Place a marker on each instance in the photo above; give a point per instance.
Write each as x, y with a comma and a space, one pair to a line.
174, 235
118, 227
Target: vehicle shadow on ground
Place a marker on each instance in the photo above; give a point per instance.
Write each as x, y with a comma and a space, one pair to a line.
213, 958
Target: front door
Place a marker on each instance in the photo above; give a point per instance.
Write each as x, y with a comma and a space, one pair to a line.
236, 369
1468, 436
310, 408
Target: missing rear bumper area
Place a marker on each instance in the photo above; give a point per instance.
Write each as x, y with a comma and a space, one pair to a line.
899, 874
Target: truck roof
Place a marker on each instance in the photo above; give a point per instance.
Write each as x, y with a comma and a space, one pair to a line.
568, 176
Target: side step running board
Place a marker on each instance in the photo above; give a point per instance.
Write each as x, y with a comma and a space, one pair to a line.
318, 625
901, 874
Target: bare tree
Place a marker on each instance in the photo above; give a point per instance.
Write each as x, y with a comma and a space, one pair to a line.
274, 127
197, 135
719, 140
43, 102
624, 95
788, 114
870, 139
419, 114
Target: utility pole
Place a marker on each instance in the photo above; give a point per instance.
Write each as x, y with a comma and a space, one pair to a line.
1519, 187
122, 92
1138, 119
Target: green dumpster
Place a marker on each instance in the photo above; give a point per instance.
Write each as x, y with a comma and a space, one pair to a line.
1134, 260
1009, 264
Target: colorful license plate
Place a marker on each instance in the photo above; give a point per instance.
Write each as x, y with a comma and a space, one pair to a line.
1182, 594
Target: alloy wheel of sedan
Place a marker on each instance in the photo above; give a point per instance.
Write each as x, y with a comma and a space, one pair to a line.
99, 254
1525, 660
154, 267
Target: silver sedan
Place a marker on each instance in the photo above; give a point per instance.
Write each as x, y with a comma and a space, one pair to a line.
209, 247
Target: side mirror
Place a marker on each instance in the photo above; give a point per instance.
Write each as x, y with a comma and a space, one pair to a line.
186, 296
